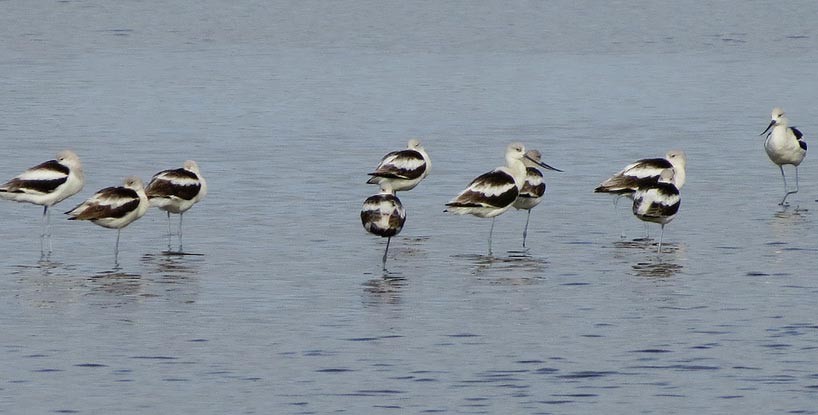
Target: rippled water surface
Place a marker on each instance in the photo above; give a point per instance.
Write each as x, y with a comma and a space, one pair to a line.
286, 106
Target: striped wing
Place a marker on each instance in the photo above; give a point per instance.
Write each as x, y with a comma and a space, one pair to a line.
534, 185
800, 137
640, 173
659, 201
383, 215
495, 189
41, 179
404, 164
111, 202
176, 183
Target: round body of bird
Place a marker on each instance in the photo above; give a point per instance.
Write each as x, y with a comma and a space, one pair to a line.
383, 215
402, 170
47, 183
114, 207
177, 190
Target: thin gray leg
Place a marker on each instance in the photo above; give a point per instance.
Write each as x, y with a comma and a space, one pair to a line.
169, 232
619, 215
43, 231
525, 230
490, 232
116, 248
787, 192
661, 236
48, 229
388, 239
180, 231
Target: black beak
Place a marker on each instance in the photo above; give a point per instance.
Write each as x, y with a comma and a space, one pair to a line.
772, 123
543, 165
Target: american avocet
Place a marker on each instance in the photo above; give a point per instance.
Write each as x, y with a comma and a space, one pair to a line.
533, 189
47, 184
657, 202
176, 191
383, 215
642, 173
493, 193
645, 171
784, 145
114, 207
404, 169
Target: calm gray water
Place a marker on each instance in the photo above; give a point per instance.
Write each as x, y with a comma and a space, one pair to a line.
287, 105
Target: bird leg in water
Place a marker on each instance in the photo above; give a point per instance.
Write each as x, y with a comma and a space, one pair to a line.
169, 232
388, 239
661, 236
787, 192
116, 247
181, 214
44, 225
490, 232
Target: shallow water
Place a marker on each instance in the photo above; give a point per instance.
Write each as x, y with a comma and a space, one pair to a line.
287, 107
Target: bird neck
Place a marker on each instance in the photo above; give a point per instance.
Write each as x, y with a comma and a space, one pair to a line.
517, 169
679, 177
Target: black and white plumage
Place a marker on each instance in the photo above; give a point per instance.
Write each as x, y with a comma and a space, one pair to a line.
383, 215
493, 193
533, 190
645, 172
404, 169
114, 207
47, 184
657, 202
176, 191
784, 145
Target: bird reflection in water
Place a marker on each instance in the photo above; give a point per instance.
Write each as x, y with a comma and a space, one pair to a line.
786, 221
641, 253
169, 277
121, 285
646, 244
173, 267
659, 269
519, 268
789, 230
385, 290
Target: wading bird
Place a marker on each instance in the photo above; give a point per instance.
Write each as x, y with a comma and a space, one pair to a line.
176, 191
404, 169
493, 193
114, 207
46, 185
533, 189
383, 215
657, 202
784, 145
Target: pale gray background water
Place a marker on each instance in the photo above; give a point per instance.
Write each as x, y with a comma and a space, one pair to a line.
287, 105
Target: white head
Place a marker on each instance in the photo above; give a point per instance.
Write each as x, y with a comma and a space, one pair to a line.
515, 151
777, 113
133, 182
70, 159
677, 158
778, 119
191, 165
414, 144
